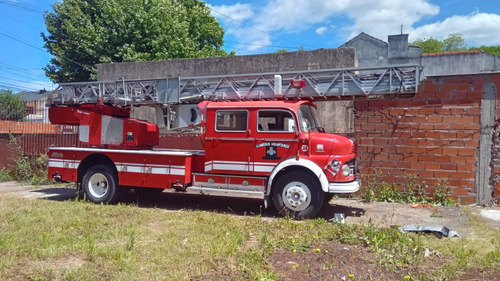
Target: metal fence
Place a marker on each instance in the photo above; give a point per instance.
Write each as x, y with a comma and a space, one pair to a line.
32, 129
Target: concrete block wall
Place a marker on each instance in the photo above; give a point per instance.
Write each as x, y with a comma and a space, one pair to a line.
274, 62
496, 147
434, 136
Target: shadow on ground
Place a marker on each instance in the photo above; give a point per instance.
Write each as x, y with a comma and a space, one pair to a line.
175, 201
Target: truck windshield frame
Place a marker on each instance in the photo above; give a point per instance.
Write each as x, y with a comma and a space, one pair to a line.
309, 119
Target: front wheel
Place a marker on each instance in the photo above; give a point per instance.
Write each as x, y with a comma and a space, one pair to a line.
298, 194
100, 184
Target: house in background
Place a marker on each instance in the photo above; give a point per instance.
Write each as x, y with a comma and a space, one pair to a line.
35, 103
37, 119
371, 52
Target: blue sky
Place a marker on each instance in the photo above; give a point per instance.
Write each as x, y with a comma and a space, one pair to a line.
262, 26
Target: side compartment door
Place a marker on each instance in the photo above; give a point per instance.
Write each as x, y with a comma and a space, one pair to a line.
228, 142
275, 140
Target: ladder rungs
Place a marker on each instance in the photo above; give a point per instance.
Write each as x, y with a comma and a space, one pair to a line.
320, 85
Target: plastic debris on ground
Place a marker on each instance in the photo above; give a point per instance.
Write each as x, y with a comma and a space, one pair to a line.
338, 218
437, 230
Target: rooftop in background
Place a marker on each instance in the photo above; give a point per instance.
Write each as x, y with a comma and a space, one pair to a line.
34, 95
371, 51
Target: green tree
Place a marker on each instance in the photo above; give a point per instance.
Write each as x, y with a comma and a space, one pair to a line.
454, 42
429, 45
83, 33
494, 50
11, 106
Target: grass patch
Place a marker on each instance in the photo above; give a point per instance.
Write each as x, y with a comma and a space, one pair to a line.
376, 189
49, 240
28, 169
5, 175
480, 252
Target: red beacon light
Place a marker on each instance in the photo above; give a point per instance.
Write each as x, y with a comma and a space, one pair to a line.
298, 83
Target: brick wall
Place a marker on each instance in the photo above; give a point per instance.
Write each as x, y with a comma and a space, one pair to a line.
434, 135
21, 127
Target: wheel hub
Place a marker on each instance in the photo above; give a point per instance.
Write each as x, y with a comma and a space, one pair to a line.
296, 196
98, 185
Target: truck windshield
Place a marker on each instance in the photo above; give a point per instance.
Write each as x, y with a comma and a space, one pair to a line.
309, 119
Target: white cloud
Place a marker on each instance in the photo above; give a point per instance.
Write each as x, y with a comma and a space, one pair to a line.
378, 18
234, 17
321, 30
231, 14
297, 15
477, 29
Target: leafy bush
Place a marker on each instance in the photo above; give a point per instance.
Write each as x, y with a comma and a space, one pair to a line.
11, 106
5, 175
28, 169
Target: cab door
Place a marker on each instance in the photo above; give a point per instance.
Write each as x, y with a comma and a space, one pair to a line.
228, 141
276, 139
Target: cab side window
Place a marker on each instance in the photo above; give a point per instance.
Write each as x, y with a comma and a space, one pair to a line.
275, 121
232, 120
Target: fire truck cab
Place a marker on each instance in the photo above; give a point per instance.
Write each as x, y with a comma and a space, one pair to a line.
283, 144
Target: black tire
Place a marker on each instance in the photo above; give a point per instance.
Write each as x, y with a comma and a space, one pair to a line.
327, 197
100, 184
303, 195
148, 191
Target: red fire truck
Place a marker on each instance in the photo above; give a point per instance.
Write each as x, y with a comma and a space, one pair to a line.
261, 136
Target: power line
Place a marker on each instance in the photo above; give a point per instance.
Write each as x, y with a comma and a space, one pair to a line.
10, 86
22, 7
17, 19
24, 81
20, 69
40, 49
17, 74
252, 27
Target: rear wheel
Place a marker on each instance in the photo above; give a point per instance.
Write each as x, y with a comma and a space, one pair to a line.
100, 184
298, 194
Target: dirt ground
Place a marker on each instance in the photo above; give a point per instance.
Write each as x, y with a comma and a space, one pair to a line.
339, 262
386, 214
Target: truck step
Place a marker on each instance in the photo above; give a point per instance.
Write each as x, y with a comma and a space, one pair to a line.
225, 192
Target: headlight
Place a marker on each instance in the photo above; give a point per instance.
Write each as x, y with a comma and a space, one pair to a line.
346, 170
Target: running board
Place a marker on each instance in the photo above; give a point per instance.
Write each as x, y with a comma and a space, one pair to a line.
226, 192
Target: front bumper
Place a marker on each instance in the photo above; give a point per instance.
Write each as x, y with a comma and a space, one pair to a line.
344, 187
